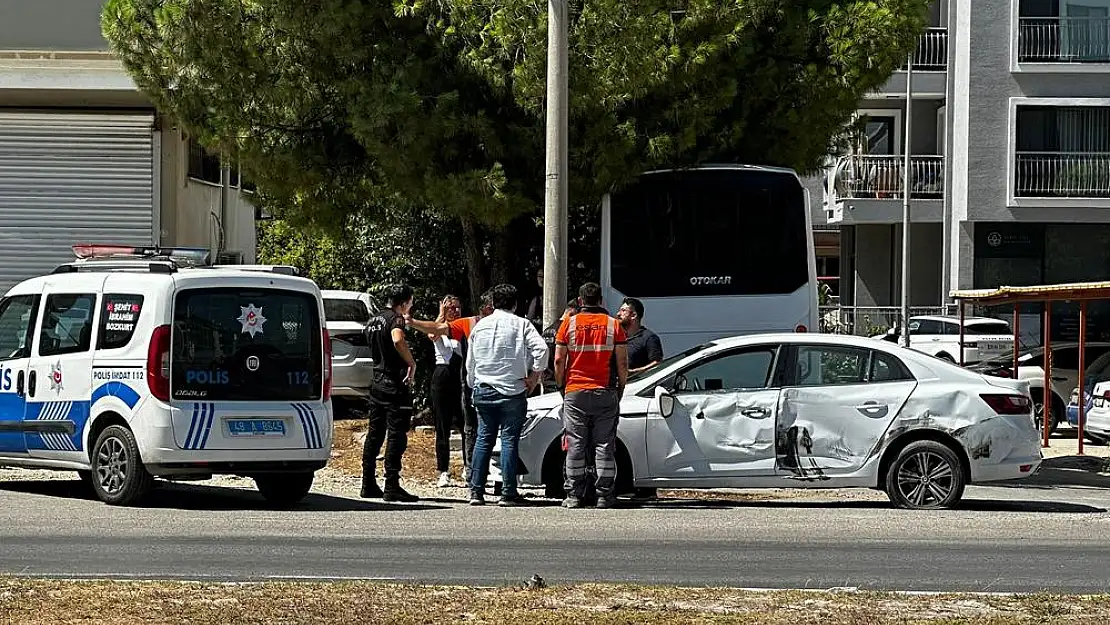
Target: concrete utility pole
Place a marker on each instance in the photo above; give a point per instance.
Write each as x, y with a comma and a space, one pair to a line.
906, 186
555, 223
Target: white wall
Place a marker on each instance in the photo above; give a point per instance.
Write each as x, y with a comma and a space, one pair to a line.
198, 223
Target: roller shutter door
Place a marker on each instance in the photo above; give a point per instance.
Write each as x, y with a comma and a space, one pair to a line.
69, 178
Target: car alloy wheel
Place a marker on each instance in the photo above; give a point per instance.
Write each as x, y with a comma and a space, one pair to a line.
926, 475
119, 477
113, 466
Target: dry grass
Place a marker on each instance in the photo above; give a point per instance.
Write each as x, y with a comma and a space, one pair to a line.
420, 463
124, 603
420, 457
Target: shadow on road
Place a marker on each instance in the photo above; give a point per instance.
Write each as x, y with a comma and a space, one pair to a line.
177, 496
1011, 505
976, 505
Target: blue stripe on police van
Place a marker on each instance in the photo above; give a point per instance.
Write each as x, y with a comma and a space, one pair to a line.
192, 427
309, 424
208, 426
304, 426
315, 425
200, 426
55, 411
125, 393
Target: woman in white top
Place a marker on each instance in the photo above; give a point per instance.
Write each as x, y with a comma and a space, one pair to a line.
446, 389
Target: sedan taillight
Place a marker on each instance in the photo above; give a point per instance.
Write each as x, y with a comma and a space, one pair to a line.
1005, 404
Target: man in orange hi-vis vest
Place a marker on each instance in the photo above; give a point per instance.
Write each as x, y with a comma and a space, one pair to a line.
591, 369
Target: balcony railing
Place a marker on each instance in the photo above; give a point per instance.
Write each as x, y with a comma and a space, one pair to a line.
932, 51
1062, 174
1064, 40
867, 176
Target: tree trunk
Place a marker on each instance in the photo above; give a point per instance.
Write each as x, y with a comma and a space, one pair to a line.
477, 269
501, 261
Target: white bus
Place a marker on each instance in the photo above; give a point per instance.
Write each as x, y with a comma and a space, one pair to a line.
715, 251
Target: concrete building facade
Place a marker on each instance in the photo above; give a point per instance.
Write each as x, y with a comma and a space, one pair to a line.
1010, 160
85, 157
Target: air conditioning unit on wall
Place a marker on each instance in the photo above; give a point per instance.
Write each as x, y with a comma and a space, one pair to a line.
229, 258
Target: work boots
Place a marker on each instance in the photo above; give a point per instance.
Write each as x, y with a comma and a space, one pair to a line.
370, 489
394, 493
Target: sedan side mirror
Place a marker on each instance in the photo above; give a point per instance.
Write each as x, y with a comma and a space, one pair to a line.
665, 402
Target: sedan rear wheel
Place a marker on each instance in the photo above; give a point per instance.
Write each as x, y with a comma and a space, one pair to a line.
926, 475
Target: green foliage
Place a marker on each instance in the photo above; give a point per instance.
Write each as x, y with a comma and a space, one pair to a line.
422, 251
338, 107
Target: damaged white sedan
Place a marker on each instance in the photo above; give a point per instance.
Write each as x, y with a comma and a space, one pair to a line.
805, 411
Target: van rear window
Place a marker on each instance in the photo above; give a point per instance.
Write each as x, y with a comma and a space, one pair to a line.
246, 344
346, 310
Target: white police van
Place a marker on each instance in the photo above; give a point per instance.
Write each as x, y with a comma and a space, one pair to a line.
135, 363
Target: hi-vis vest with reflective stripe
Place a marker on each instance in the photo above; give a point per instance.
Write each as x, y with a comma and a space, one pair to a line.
574, 345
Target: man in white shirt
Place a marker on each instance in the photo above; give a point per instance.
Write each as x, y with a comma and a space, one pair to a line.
504, 361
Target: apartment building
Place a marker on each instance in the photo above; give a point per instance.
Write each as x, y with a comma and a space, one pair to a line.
1009, 160
84, 156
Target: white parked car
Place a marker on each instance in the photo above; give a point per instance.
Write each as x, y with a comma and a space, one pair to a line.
1065, 374
805, 411
1097, 417
939, 336
346, 314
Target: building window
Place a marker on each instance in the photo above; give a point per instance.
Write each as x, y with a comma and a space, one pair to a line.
1062, 152
1063, 31
202, 164
206, 166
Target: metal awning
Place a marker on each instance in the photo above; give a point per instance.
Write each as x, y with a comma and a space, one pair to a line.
1072, 291
1081, 292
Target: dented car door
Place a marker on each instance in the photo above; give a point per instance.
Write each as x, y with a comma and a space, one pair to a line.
722, 423
835, 409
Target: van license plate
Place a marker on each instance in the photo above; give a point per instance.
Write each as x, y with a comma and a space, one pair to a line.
256, 427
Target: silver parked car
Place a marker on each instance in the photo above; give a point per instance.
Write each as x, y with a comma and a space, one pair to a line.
346, 315
806, 411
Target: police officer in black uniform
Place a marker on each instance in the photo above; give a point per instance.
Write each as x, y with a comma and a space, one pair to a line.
390, 397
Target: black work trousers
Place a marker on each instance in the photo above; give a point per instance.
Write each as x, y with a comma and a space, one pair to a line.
446, 387
390, 420
470, 424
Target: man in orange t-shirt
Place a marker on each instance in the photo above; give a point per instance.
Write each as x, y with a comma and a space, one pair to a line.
591, 368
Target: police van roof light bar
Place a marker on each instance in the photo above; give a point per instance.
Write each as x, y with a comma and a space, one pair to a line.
186, 256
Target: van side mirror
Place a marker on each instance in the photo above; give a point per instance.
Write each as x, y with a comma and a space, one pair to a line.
665, 401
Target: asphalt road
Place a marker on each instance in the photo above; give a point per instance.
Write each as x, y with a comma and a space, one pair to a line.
1049, 535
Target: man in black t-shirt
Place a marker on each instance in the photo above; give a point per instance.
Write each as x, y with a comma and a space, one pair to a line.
645, 350
390, 397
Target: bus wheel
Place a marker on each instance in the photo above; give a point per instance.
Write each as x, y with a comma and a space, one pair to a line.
118, 475
284, 489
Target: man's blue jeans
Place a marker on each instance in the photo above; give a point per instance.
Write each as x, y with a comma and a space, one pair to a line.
497, 413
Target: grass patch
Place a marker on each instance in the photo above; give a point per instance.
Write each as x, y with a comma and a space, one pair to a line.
123, 603
419, 461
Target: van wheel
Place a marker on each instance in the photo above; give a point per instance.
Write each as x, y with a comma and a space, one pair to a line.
284, 489
926, 475
118, 476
